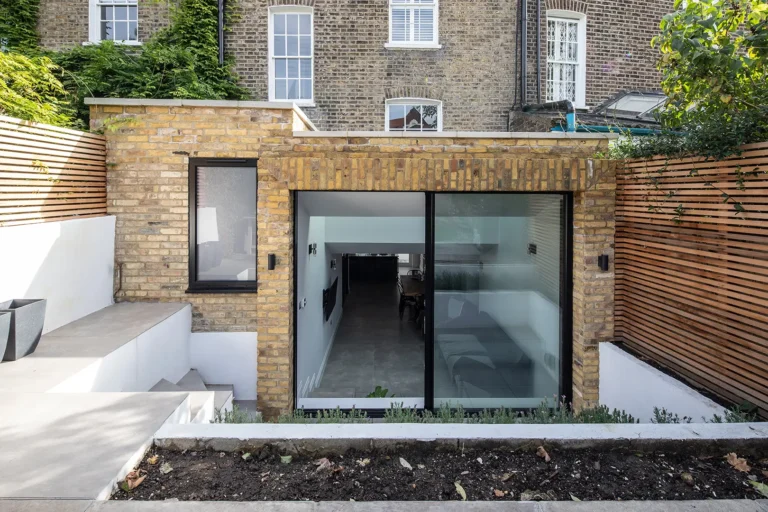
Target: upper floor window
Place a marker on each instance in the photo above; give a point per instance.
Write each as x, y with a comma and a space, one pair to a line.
114, 20
291, 52
566, 57
413, 23
414, 115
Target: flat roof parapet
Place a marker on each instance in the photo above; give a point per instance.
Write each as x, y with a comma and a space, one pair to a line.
458, 135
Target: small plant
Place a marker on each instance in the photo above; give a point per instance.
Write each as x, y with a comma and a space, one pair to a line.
379, 392
297, 417
325, 416
236, 415
397, 413
745, 413
664, 416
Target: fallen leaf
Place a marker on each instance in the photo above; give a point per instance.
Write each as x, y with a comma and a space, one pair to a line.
153, 460
286, 459
465, 472
479, 460
323, 464
133, 480
506, 476
405, 464
421, 466
338, 469
574, 498
246, 456
541, 452
687, 478
529, 495
761, 488
363, 462
498, 493
460, 490
765, 473
738, 463
166, 468
413, 486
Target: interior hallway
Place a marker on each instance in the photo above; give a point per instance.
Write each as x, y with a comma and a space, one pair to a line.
373, 347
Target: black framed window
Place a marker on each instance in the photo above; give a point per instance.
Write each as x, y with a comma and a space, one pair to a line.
222, 225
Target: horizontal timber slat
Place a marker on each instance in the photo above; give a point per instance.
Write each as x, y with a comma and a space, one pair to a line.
692, 270
48, 173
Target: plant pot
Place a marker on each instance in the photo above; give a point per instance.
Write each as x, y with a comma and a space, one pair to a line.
5, 330
27, 318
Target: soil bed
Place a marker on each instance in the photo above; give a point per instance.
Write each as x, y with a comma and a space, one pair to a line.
483, 474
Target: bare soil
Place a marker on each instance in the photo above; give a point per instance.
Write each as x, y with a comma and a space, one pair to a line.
482, 474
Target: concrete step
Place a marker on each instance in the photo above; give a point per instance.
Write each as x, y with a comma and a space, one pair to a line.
165, 386
200, 402
192, 382
224, 396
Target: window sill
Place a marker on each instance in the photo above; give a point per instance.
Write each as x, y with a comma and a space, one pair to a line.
298, 103
118, 43
249, 290
420, 46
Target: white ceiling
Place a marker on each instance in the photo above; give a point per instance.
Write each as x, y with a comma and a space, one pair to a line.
374, 248
363, 204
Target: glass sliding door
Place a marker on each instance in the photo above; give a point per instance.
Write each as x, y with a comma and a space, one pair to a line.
498, 271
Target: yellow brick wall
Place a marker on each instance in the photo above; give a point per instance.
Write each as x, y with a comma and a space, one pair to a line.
147, 192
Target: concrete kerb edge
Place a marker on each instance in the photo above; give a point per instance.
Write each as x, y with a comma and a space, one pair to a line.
312, 440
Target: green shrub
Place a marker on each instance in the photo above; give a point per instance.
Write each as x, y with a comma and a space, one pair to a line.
664, 416
236, 415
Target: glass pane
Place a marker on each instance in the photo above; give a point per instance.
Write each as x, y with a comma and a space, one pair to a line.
306, 89
396, 117
292, 24
292, 46
106, 30
293, 68
429, 117
279, 46
280, 90
305, 24
121, 31
279, 24
306, 68
280, 68
133, 29
133, 11
106, 13
293, 89
497, 299
400, 25
413, 118
226, 224
305, 46
121, 13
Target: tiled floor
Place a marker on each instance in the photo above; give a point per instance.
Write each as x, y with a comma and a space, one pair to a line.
373, 347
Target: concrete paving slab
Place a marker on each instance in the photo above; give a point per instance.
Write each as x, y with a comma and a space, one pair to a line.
432, 506
72, 348
60, 445
44, 505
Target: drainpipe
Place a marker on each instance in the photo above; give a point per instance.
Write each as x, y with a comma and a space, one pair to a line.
556, 106
524, 53
221, 32
538, 51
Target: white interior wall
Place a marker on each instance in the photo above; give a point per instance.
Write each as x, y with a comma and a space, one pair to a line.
69, 263
630, 384
314, 274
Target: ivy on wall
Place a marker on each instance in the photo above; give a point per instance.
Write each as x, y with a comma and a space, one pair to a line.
180, 61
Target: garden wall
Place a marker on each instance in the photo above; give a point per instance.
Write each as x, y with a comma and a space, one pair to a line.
692, 270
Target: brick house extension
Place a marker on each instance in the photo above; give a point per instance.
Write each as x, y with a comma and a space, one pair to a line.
352, 63
156, 193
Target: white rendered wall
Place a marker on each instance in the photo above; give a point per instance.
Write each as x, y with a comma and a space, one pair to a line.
69, 263
636, 387
315, 335
226, 358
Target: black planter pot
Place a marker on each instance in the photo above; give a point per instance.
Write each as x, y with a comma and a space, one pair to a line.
27, 318
5, 330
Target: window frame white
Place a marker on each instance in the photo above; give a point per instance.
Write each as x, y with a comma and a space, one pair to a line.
289, 9
419, 45
413, 101
94, 24
581, 63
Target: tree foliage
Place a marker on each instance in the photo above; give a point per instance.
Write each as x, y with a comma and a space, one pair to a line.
180, 61
714, 64
18, 24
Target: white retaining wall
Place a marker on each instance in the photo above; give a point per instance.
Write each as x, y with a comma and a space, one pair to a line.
226, 358
630, 384
70, 263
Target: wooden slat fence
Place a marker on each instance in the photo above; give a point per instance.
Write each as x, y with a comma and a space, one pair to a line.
49, 173
692, 290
